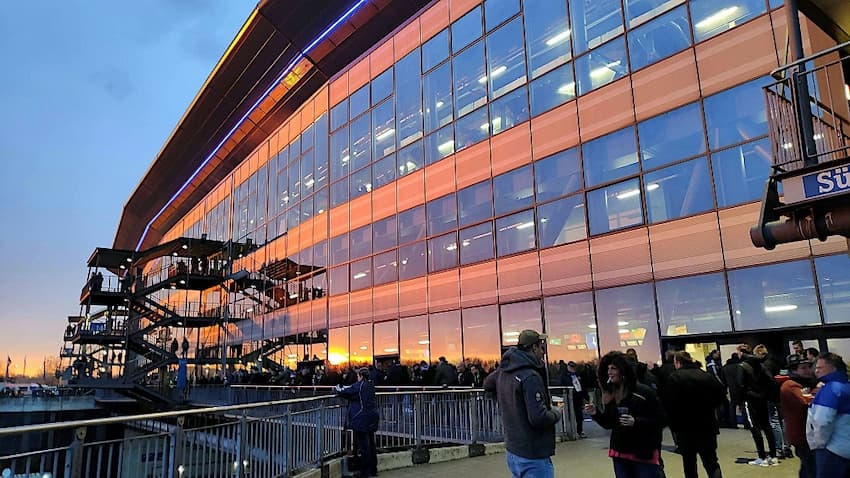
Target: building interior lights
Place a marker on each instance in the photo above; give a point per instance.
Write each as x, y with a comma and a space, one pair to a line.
600, 72
360, 275
623, 323
447, 147
424, 342
558, 38
628, 194
525, 225
497, 124
780, 308
568, 89
496, 72
309, 183
624, 331
717, 18
439, 104
847, 92
385, 134
345, 158
591, 326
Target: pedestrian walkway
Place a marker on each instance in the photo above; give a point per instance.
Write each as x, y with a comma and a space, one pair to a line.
589, 458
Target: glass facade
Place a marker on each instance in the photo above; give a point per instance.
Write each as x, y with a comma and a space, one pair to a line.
456, 264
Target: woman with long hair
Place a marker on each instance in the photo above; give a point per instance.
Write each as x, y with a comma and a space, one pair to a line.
634, 415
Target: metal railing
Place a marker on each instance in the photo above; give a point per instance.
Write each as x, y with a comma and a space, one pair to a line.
808, 112
268, 439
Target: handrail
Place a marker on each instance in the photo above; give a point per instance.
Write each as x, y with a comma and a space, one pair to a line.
808, 58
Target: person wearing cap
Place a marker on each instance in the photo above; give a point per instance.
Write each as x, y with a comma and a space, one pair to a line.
363, 419
579, 396
794, 398
828, 431
528, 417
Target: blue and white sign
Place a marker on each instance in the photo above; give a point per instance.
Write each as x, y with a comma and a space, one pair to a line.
828, 182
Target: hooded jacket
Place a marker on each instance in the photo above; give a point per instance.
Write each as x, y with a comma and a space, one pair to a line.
527, 415
828, 425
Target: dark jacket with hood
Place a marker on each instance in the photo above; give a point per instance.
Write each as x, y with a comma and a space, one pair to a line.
690, 399
527, 415
362, 406
755, 382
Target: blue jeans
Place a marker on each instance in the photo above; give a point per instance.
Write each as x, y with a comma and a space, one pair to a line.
530, 467
830, 465
632, 469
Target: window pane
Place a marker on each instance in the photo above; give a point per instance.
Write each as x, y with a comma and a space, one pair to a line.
437, 86
777, 295
411, 225
361, 345
513, 190
338, 346
321, 152
594, 22
383, 122
445, 336
383, 171
712, 17
466, 30
740, 172
509, 110
361, 143
338, 280
736, 115
515, 233
386, 338
339, 249
553, 89
413, 334
833, 274
435, 50
339, 192
439, 145
476, 243
497, 11
358, 102
361, 274
571, 327
361, 242
382, 86
339, 156
475, 203
547, 35
408, 96
339, 114
321, 200
472, 128
659, 38
601, 66
557, 175
562, 221
678, 191
410, 158
626, 319
675, 135
481, 334
442, 214
505, 59
442, 252
470, 79
412, 261
614, 207
385, 234
693, 305
610, 157
386, 268
518, 317
639, 11
361, 182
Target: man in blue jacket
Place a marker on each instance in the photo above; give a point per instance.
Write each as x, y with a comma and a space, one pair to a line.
528, 418
363, 420
828, 427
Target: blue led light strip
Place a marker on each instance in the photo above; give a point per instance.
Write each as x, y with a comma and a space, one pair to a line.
274, 84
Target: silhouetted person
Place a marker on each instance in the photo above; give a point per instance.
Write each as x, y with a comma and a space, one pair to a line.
185, 347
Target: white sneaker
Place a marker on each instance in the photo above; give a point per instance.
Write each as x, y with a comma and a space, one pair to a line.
759, 462
772, 461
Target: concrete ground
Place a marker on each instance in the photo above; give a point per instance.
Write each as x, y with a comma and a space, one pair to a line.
589, 458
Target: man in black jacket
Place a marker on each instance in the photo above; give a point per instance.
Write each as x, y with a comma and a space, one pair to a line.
363, 419
690, 399
527, 414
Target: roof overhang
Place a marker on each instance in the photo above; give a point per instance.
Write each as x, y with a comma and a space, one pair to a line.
832, 16
247, 97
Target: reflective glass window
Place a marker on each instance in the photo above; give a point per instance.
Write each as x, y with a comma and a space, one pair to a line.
383, 122
339, 192
571, 327
320, 254
442, 214
776, 4
678, 191
610, 157
445, 336
437, 87
382, 86
693, 305
409, 158
386, 338
411, 225
509, 110
839, 346
338, 280
736, 115
361, 274
442, 252
413, 334
386, 268
408, 97
339, 155
557, 175
475, 203
626, 318
295, 181
602, 66
517, 317
339, 249
307, 137
740, 172
561, 221
339, 114
641, 11
614, 207
338, 344
439, 145
553, 89
383, 172
471, 129
361, 345
515, 233
361, 182
594, 22
306, 208
659, 39
505, 59
513, 190
361, 143
293, 216
470, 79
321, 152
773, 296
481, 334
320, 201
295, 149
466, 29
674, 135
307, 170
476, 243
547, 35
833, 273
358, 102
712, 17
497, 11
385, 233
435, 50
412, 261
361, 242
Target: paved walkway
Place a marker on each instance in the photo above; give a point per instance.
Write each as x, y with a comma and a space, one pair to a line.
589, 458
